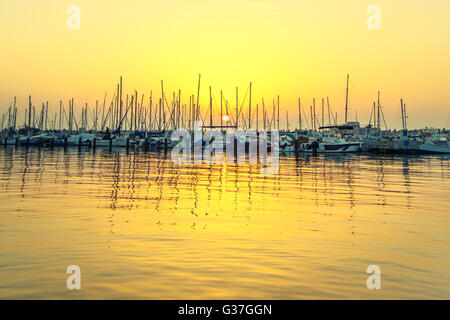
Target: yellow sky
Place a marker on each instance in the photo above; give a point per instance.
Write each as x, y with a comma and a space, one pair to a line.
293, 48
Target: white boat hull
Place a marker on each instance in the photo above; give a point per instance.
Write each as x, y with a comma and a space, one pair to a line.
333, 148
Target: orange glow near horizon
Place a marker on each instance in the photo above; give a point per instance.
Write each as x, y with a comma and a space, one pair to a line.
286, 47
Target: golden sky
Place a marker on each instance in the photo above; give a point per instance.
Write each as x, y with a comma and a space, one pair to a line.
293, 48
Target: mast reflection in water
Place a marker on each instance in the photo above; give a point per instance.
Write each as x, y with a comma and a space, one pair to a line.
140, 226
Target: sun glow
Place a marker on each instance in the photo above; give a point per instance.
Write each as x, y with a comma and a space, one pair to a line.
291, 48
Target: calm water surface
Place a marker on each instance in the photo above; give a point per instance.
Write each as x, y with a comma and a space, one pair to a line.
140, 226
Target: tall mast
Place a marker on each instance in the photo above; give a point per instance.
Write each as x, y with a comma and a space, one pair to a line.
29, 112
250, 108
299, 115
287, 121
221, 114
96, 115
120, 102
378, 113
274, 117
135, 110
15, 115
278, 118
237, 108
86, 117
403, 108
257, 118
198, 97
160, 115
329, 112
210, 108
404, 111
374, 114
314, 114
161, 106
69, 120
403, 114
193, 112
190, 113
179, 108
9, 117
264, 114
116, 114
173, 114
346, 100
46, 115
103, 112
323, 113
71, 116
60, 115
150, 114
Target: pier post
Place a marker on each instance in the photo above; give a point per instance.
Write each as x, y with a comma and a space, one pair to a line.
95, 143
314, 146
65, 142
110, 144
6, 141
28, 141
257, 143
128, 143
52, 141
80, 140
17, 142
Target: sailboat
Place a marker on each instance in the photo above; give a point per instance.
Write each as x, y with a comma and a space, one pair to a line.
332, 140
405, 144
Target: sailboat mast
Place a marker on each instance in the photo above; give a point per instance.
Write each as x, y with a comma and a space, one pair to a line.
346, 100
378, 113
160, 115
299, 115
329, 113
60, 115
221, 114
250, 108
210, 108
29, 112
237, 108
120, 101
257, 118
150, 113
264, 114
15, 115
314, 114
198, 97
323, 112
287, 121
278, 120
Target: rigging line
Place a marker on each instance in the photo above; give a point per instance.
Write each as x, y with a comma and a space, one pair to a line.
108, 114
232, 120
109, 109
382, 115
371, 113
304, 115
106, 117
243, 101
331, 112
